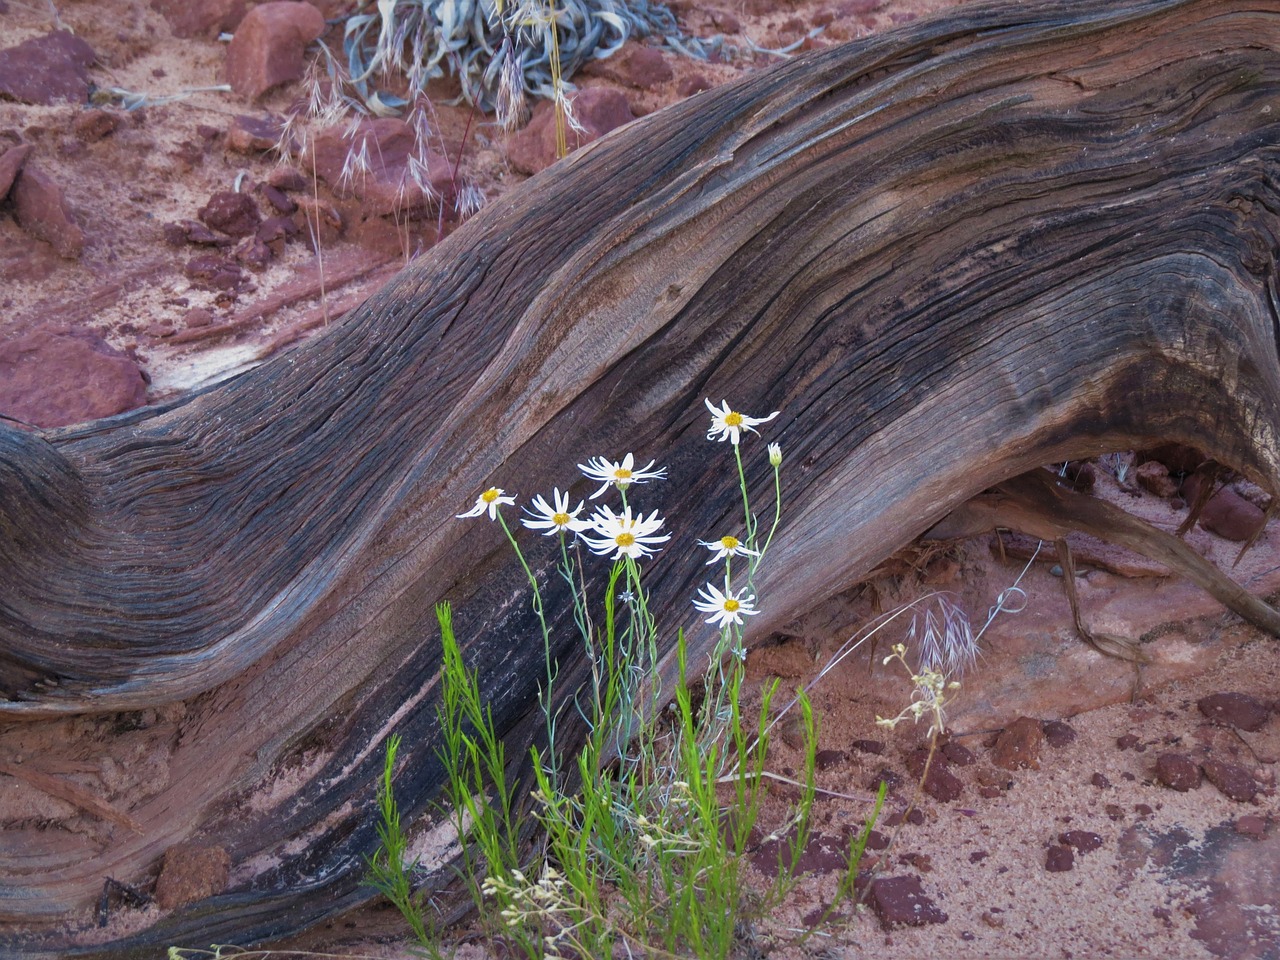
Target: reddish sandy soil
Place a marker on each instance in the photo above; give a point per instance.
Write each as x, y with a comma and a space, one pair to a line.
132, 314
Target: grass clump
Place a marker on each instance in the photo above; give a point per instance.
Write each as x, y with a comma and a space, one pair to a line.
642, 833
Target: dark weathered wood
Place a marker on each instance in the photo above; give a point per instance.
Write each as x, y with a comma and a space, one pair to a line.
948, 255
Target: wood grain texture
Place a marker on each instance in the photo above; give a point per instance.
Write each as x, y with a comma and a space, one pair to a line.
948, 254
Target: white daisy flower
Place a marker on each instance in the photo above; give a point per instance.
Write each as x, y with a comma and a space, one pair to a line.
621, 475
624, 535
490, 500
728, 424
552, 518
725, 608
727, 547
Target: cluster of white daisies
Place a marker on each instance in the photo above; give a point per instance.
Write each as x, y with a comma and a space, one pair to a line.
635, 535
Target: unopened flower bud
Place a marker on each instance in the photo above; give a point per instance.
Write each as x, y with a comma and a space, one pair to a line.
775, 455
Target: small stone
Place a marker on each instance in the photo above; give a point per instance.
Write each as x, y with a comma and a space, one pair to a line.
885, 775
1231, 516
693, 83
10, 164
213, 272
1114, 812
1084, 841
279, 199
943, 785
1143, 810
635, 65
901, 901
275, 232
826, 759
958, 754
1153, 476
1059, 858
43, 212
253, 134
191, 873
877, 840
989, 793
1099, 781
193, 231
45, 70
1058, 734
205, 19
977, 856
597, 109
268, 46
1251, 826
235, 214
1177, 771
253, 253
1232, 779
1237, 710
1018, 745
1128, 741
1178, 458
93, 125
198, 317
875, 747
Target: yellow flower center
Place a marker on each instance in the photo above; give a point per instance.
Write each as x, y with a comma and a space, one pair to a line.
625, 539
622, 473
733, 419
560, 519
491, 495
729, 543
731, 605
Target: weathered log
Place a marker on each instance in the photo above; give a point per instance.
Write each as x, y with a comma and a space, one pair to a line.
949, 254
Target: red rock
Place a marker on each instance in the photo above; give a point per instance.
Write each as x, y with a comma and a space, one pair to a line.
1099, 781
1153, 476
1232, 779
235, 214
1058, 733
52, 380
191, 873
10, 164
388, 185
275, 232
206, 19
214, 272
1237, 710
1231, 516
1085, 841
46, 69
93, 125
943, 785
597, 109
268, 46
253, 134
1059, 859
901, 901
1251, 826
868, 746
826, 759
1018, 745
635, 65
1130, 741
253, 253
279, 199
193, 231
693, 83
198, 317
43, 212
723, 20
958, 754
1177, 771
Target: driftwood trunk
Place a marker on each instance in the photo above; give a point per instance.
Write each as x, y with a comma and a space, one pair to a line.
947, 255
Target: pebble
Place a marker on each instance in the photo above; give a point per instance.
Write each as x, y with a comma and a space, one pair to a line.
1237, 710
1018, 745
1059, 858
1177, 771
268, 46
901, 901
1231, 779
